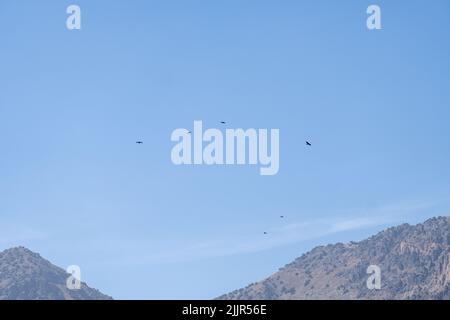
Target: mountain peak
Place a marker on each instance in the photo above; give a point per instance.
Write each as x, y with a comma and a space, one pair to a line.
20, 252
25, 275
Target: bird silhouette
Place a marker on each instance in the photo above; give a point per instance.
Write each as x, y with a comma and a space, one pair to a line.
223, 122
139, 142
307, 143
281, 216
265, 232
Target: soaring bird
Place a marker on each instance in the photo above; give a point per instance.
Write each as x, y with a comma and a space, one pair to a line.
139, 142
307, 143
265, 232
223, 122
281, 216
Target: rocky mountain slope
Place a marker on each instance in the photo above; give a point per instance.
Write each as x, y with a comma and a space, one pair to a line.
25, 275
414, 262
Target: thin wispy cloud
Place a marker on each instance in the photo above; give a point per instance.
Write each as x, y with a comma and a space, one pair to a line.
292, 233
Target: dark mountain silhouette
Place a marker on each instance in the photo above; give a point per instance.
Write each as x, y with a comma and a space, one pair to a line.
25, 275
414, 262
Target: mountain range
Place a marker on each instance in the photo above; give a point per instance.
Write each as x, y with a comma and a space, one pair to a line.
413, 262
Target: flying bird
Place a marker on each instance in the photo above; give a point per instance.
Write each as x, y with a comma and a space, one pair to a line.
281, 216
223, 122
265, 232
307, 143
139, 142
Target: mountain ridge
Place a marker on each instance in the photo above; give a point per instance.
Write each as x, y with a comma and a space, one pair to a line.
414, 261
25, 275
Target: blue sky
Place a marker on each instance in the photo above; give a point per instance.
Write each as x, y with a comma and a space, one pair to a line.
76, 188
